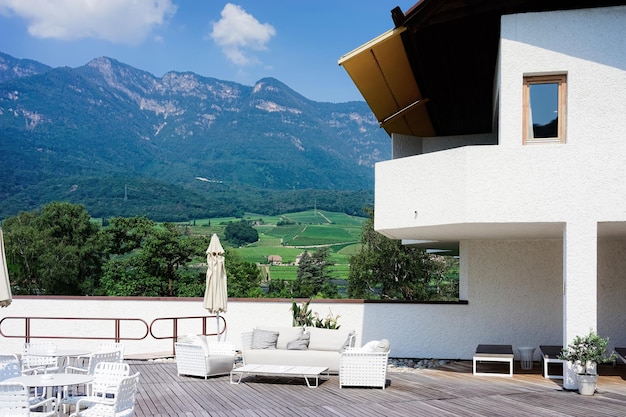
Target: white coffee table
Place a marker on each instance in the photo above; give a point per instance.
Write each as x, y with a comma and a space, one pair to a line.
309, 373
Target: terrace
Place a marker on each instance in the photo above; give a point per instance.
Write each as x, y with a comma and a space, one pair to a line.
450, 390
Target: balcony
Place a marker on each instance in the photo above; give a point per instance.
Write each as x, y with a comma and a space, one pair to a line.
497, 192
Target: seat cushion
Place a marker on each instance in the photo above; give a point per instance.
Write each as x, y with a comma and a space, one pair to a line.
329, 339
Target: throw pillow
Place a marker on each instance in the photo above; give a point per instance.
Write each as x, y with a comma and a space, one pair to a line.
301, 343
264, 339
370, 346
285, 334
382, 346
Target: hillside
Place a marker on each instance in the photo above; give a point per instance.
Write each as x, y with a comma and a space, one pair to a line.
185, 146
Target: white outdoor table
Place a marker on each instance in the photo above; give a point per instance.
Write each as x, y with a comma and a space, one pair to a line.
50, 381
305, 372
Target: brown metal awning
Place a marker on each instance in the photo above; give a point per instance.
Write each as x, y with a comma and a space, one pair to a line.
381, 71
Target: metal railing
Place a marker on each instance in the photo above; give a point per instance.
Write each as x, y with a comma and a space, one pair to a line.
220, 327
116, 335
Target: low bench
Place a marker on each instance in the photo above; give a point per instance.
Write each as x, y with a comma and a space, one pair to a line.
550, 354
493, 353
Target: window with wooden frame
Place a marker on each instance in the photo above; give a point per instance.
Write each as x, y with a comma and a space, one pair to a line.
544, 108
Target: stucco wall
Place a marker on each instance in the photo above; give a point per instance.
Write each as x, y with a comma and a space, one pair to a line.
590, 46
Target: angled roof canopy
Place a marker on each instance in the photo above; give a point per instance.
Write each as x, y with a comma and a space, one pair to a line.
433, 74
382, 73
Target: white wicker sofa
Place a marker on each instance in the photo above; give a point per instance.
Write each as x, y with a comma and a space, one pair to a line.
296, 346
198, 357
365, 366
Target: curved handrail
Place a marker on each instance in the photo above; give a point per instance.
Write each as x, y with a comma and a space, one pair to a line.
221, 326
27, 336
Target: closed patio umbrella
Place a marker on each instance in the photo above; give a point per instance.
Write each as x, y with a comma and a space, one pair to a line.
215, 293
5, 286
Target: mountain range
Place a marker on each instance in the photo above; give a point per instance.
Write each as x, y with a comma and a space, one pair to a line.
121, 141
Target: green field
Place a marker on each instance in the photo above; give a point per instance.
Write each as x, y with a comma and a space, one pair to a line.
306, 230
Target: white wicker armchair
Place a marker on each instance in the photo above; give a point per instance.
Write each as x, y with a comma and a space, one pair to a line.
364, 367
199, 358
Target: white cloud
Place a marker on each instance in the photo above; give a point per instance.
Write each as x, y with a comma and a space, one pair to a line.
238, 32
119, 21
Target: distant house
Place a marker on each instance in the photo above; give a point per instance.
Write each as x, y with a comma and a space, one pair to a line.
275, 260
507, 123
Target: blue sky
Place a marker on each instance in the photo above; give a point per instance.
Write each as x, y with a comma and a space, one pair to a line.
297, 42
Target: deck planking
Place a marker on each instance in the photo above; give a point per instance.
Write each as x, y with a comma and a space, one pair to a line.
447, 391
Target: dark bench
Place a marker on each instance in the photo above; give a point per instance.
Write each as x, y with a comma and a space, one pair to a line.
493, 353
550, 355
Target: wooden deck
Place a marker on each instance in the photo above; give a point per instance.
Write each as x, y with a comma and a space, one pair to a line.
447, 391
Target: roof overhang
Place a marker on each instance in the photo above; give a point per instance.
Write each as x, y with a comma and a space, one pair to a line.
434, 74
381, 71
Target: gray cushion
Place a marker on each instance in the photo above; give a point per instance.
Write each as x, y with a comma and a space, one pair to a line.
264, 339
285, 334
301, 343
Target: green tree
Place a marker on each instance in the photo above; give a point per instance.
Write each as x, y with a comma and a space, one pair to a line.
239, 233
313, 279
386, 269
151, 259
58, 251
243, 277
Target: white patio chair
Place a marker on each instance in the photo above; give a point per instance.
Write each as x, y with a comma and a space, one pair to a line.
15, 401
92, 361
13, 369
365, 366
107, 376
9, 370
122, 403
204, 359
10, 357
40, 357
104, 347
111, 347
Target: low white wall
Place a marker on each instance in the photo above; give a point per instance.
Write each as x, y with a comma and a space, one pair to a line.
515, 296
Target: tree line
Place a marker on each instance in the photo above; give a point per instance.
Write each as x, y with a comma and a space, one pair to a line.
58, 250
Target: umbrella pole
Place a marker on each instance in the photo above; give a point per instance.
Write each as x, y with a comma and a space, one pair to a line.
218, 325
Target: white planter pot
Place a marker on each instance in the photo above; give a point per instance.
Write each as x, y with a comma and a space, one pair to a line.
587, 384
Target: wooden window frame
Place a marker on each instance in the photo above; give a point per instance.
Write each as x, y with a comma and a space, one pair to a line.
561, 81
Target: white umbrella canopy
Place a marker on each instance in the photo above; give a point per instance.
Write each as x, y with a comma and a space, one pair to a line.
215, 293
5, 286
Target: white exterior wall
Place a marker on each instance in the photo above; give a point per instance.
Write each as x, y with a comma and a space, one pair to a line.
484, 196
590, 46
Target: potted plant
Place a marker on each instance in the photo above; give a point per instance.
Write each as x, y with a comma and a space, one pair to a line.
585, 352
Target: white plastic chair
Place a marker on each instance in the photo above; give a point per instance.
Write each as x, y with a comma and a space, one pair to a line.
9, 370
121, 405
106, 378
15, 401
104, 347
92, 361
111, 347
10, 357
40, 357
13, 369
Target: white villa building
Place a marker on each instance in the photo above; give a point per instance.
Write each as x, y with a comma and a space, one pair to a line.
508, 128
